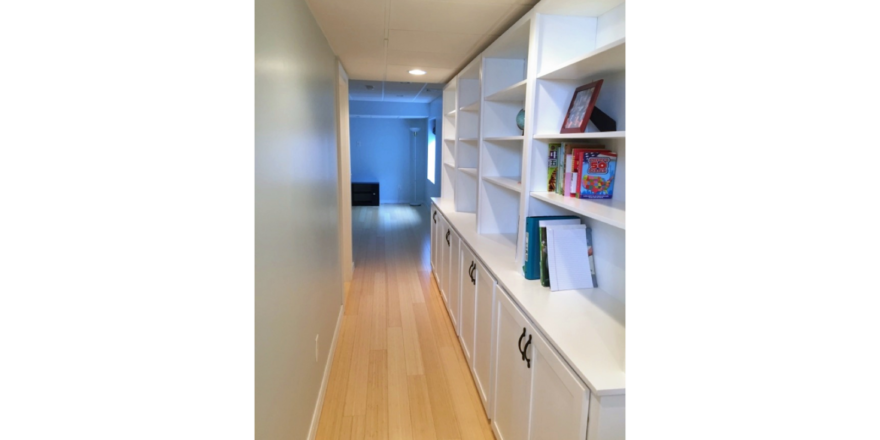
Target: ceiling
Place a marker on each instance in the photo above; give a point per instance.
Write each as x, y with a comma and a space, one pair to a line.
382, 40
361, 90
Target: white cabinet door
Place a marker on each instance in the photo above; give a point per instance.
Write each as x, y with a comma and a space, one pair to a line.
482, 354
453, 305
468, 305
512, 389
434, 244
454, 272
560, 401
445, 245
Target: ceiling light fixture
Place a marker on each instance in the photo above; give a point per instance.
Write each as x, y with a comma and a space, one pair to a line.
417, 72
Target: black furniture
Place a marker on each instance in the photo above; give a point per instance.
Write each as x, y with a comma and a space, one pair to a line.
365, 194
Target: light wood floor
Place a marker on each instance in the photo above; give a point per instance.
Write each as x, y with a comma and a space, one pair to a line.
398, 371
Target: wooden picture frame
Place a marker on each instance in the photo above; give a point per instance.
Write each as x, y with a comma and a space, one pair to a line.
581, 108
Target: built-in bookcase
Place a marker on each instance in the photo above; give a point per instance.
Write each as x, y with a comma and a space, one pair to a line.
501, 171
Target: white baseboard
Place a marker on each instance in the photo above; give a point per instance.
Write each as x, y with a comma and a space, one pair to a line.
319, 405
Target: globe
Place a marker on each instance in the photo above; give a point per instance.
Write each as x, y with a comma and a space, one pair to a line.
521, 119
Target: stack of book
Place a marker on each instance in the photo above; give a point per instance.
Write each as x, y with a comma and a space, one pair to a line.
559, 252
581, 171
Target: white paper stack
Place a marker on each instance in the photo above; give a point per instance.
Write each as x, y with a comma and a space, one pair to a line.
568, 257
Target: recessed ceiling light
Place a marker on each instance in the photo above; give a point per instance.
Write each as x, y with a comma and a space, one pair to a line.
417, 72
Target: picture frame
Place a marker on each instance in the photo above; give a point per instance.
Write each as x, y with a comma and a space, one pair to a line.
581, 107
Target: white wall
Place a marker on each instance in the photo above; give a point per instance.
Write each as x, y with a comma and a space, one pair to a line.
298, 274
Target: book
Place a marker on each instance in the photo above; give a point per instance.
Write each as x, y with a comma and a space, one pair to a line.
592, 260
554, 150
577, 157
566, 190
532, 245
567, 254
596, 176
578, 151
542, 232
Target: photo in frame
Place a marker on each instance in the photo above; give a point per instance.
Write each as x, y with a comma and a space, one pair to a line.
581, 108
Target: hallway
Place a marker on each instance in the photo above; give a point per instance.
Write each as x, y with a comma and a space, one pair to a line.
398, 370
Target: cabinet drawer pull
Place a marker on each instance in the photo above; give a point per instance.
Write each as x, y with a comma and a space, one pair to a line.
526, 358
435, 216
448, 231
519, 344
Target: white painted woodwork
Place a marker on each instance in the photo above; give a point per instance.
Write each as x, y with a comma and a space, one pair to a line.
502, 158
560, 402
587, 327
445, 231
466, 190
513, 43
573, 136
610, 211
607, 418
500, 118
578, 347
475, 107
453, 297
435, 215
514, 93
469, 92
499, 211
470, 171
511, 183
512, 401
454, 273
501, 74
468, 153
483, 332
604, 60
504, 138
468, 306
564, 37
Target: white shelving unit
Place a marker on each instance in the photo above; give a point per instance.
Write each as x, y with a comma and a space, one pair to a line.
500, 171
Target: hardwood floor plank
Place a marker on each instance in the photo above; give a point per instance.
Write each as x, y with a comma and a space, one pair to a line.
399, 424
379, 307
412, 349
356, 397
334, 398
445, 421
420, 408
469, 417
377, 397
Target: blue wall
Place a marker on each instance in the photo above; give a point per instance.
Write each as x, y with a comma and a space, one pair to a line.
380, 152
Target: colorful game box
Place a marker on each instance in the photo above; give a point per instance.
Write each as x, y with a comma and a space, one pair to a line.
596, 175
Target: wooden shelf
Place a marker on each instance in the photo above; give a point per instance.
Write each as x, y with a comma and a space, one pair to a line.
602, 61
608, 211
590, 135
468, 139
449, 164
505, 182
475, 107
504, 138
514, 93
471, 171
450, 113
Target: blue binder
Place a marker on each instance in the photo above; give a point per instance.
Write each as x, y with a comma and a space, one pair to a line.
532, 253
